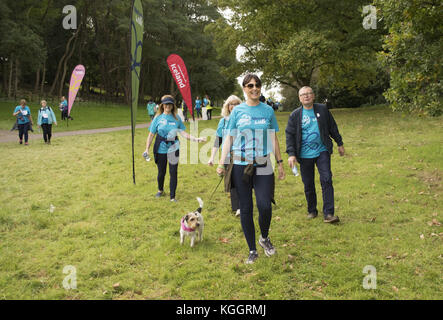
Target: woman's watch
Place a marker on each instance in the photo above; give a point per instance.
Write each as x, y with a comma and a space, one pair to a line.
279, 161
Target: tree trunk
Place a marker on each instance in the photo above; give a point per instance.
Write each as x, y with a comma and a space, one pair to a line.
57, 74
37, 80
16, 78
42, 88
11, 66
65, 64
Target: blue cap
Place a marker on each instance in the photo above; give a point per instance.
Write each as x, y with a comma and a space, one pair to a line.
167, 100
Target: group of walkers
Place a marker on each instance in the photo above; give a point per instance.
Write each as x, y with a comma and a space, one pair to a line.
45, 119
246, 134
152, 108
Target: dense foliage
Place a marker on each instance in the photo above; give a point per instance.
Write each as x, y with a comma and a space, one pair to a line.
321, 43
38, 54
413, 49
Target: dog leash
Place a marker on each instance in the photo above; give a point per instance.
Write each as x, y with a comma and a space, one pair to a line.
210, 198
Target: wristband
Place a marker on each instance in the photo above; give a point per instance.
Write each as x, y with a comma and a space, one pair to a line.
280, 161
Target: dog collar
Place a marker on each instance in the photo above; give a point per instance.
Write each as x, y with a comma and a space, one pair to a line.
185, 228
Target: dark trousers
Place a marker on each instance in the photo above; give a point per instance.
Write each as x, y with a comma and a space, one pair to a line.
23, 130
209, 114
235, 205
199, 112
262, 185
162, 162
307, 170
47, 131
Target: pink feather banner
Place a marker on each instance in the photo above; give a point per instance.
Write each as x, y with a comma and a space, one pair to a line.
76, 79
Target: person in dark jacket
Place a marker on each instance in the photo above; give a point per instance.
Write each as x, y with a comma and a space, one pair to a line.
308, 142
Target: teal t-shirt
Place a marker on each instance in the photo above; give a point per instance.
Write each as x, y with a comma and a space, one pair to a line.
151, 108
198, 104
250, 127
23, 116
167, 127
311, 144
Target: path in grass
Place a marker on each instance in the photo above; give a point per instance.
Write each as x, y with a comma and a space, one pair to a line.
11, 136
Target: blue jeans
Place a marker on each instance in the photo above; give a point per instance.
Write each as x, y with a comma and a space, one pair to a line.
307, 170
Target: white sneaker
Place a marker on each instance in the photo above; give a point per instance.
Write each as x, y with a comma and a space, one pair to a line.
237, 213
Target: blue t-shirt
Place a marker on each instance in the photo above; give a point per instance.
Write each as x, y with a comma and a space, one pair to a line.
23, 116
151, 108
64, 106
198, 104
311, 144
222, 131
250, 126
167, 127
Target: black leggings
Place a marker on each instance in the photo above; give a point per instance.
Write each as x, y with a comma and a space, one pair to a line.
262, 185
199, 112
23, 130
162, 162
209, 114
47, 131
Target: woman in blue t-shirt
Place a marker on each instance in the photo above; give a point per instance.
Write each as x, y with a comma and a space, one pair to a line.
220, 134
46, 118
165, 127
24, 120
252, 131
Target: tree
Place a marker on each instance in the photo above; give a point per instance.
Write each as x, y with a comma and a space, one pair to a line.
295, 43
412, 52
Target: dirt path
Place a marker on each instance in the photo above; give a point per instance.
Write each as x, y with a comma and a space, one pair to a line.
12, 136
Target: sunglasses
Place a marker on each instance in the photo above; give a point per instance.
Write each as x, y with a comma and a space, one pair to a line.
252, 85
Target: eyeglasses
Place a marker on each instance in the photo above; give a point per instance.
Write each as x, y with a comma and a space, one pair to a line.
252, 85
306, 94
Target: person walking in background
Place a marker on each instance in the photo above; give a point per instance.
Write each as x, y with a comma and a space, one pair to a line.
24, 120
252, 131
308, 142
64, 109
220, 135
198, 107
185, 111
165, 126
45, 119
209, 107
150, 107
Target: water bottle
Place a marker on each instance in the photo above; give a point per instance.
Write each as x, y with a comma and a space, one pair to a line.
294, 170
146, 156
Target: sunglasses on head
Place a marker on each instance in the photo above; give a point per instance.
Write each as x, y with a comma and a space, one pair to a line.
251, 85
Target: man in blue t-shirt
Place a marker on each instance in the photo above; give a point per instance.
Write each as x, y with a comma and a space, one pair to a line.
308, 142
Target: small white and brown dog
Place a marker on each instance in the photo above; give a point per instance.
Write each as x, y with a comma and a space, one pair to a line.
192, 224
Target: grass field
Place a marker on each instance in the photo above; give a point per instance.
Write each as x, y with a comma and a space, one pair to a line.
87, 115
124, 244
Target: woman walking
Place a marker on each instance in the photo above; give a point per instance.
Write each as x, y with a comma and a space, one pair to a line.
24, 120
220, 135
45, 119
252, 131
165, 127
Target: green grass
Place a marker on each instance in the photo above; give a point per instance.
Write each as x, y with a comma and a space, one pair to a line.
87, 115
388, 190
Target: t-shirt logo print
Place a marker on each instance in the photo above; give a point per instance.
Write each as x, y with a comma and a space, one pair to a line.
306, 120
245, 120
